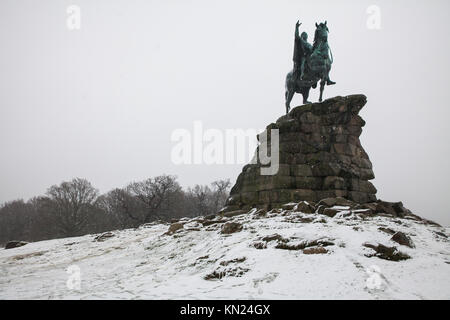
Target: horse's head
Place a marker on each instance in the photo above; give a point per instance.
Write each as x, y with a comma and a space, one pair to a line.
321, 32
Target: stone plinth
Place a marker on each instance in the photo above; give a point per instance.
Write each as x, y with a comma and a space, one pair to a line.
320, 157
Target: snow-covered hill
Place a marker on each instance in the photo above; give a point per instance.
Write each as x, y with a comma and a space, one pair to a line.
283, 254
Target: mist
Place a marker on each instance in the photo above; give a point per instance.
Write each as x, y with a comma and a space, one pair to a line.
102, 102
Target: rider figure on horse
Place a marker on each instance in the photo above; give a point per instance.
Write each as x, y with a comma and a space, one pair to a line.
302, 51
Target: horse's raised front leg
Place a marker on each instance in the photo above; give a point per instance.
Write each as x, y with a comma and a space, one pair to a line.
322, 85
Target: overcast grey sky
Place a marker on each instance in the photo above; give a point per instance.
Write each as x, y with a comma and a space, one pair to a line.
101, 102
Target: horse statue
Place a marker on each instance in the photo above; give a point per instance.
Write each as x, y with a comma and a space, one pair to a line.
311, 65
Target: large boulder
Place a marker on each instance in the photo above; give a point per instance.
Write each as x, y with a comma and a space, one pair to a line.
174, 227
305, 207
403, 239
386, 253
231, 227
338, 201
104, 236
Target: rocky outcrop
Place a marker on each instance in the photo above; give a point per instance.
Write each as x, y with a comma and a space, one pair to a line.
386, 253
344, 250
15, 244
104, 236
320, 157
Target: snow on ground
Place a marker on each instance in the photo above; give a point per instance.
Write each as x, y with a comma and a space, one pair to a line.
144, 263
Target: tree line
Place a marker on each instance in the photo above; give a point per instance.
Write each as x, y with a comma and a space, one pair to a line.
75, 208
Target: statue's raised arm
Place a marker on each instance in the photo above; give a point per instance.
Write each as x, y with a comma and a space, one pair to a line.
297, 25
298, 51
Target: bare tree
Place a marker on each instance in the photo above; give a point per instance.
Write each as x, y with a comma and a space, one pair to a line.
158, 196
70, 204
122, 207
209, 200
201, 198
75, 208
220, 193
15, 221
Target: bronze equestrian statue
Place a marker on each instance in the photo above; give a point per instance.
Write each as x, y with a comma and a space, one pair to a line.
311, 64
